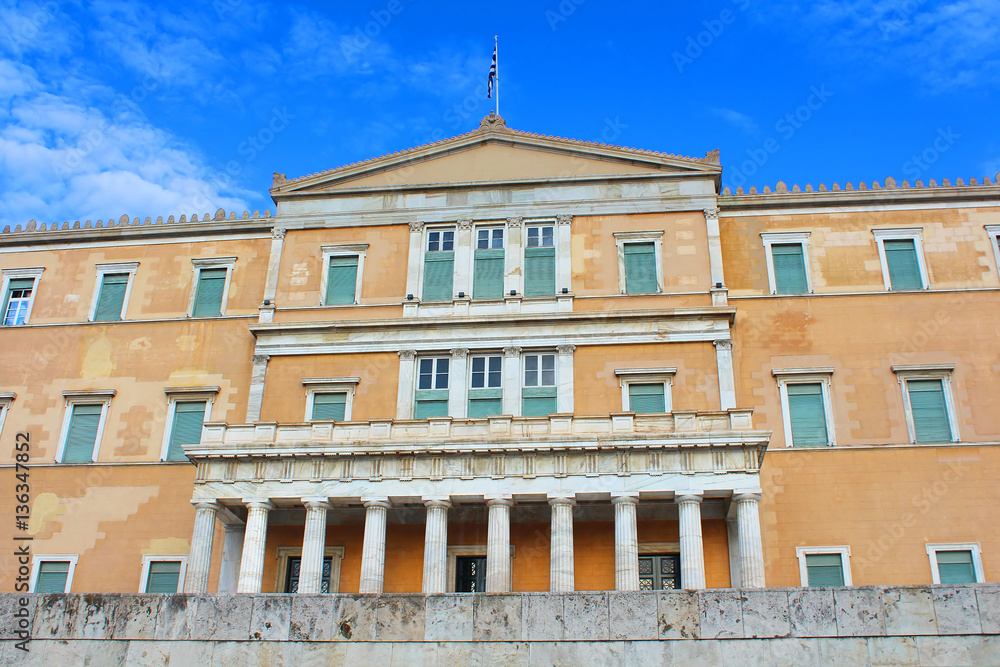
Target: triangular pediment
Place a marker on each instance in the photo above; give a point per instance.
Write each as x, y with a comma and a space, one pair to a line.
493, 154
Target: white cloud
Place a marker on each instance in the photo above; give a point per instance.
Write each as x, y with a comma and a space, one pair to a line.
737, 119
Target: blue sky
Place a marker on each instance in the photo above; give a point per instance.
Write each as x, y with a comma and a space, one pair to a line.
171, 108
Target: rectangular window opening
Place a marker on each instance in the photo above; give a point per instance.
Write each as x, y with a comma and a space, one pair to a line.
210, 289
111, 300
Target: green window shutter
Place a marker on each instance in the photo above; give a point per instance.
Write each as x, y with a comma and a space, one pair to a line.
789, 268
189, 417
930, 413
538, 401
439, 272
208, 297
539, 271
825, 569
163, 577
488, 279
82, 434
330, 407
52, 577
342, 281
480, 408
431, 403
807, 415
646, 398
640, 268
955, 567
901, 258
112, 297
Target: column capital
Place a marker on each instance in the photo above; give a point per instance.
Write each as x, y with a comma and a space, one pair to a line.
744, 496
690, 497
564, 219
562, 500
258, 504
206, 504
465, 224
376, 502
433, 503
499, 501
460, 353
278, 233
723, 344
259, 359
316, 503
514, 221
416, 227
407, 355
512, 351
712, 213
625, 499
566, 349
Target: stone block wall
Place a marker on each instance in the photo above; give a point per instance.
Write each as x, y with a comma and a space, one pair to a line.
930, 625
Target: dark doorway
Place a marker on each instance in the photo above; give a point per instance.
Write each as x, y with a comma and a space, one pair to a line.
659, 572
470, 574
292, 576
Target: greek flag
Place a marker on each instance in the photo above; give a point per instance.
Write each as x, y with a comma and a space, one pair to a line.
493, 74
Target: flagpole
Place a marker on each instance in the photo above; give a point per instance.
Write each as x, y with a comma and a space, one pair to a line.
496, 49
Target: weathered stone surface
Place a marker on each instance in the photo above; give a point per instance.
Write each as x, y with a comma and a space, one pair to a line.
176, 617
497, 618
353, 618
811, 613
765, 614
859, 612
956, 610
746, 653
399, 619
586, 616
271, 617
943, 651
323, 654
633, 616
272, 654
984, 650
893, 652
598, 654
796, 652
310, 618
695, 653
543, 618
679, 615
843, 651
191, 653
81, 652
223, 617
458, 653
449, 618
413, 654
136, 616
501, 654
721, 613
988, 597
647, 653
15, 616
368, 653
909, 611
148, 653
54, 617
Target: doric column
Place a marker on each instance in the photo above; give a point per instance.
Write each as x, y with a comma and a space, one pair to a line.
458, 384
413, 259
692, 547
200, 557
313, 545
512, 380
436, 546
256, 394
252, 564
373, 549
232, 552
727, 380
714, 246
513, 269
561, 575
407, 375
463, 259
498, 579
564, 248
564, 379
751, 549
626, 543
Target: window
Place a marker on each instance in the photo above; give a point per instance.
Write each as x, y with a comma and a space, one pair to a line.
83, 425
6, 398
52, 574
290, 565
928, 402
901, 254
330, 399
806, 406
485, 386
994, 233
111, 293
162, 574
659, 572
787, 262
956, 563
487, 281
538, 395
439, 265
470, 574
640, 269
432, 387
341, 277
540, 261
824, 566
646, 390
18, 294
295, 567
188, 408
211, 286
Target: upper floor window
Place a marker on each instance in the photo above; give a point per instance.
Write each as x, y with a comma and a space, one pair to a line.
956, 563
431, 399
211, 286
646, 390
188, 408
994, 233
928, 402
901, 254
806, 406
162, 574
343, 269
787, 262
824, 566
539, 260
640, 267
330, 399
487, 281
6, 398
19, 294
485, 386
83, 425
439, 264
111, 293
538, 395
52, 574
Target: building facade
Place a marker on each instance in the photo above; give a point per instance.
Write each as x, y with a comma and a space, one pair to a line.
510, 362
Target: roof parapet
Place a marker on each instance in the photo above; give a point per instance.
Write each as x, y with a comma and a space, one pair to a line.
781, 187
125, 221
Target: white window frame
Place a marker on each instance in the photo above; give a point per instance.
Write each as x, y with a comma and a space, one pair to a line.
913, 233
147, 560
38, 559
823, 376
359, 250
85, 397
907, 372
6, 398
111, 269
199, 263
994, 233
559, 267
977, 560
183, 395
336, 554
330, 386
628, 376
540, 354
486, 376
656, 238
844, 551
425, 240
15, 274
789, 238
